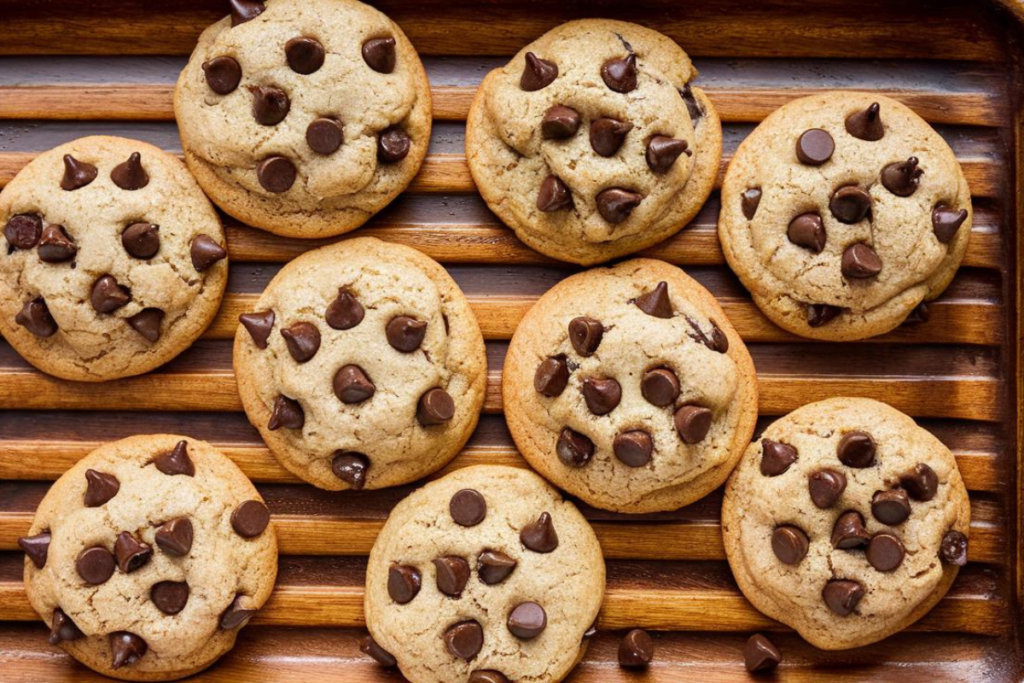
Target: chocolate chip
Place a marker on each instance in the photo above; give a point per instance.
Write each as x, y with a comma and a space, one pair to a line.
953, 549
245, 10
826, 486
749, 201
77, 174
467, 507
62, 628
660, 386
821, 314
464, 639
619, 73
921, 482
693, 107
276, 174
866, 124
716, 341
176, 461
633, 448
324, 135
147, 323
841, 596
527, 620
856, 449
537, 73
304, 55
303, 341
37, 548
379, 54
405, 333
452, 574
607, 135
946, 222
270, 104
554, 195
860, 261
287, 413
223, 74
918, 316
636, 649
127, 648
890, 507
131, 553
902, 177
205, 252
814, 147
250, 519
393, 145
850, 204
368, 646
807, 231
790, 544
352, 385
175, 537
885, 552
108, 296
551, 377
100, 488
170, 597
539, 536
601, 395
345, 312
760, 654
693, 423
615, 204
776, 457
35, 317
494, 566
585, 335
237, 614
130, 175
351, 468
655, 302
95, 565
141, 240
487, 676
559, 123
404, 583
662, 152
435, 407
55, 246
849, 532
574, 449
259, 325
23, 231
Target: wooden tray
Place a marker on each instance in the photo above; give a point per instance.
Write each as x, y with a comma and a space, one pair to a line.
108, 66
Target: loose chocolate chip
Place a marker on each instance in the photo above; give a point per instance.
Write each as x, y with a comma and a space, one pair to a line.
35, 317
902, 177
464, 639
250, 519
790, 544
660, 386
921, 482
537, 73
554, 195
147, 323
636, 649
303, 341
100, 488
467, 507
175, 537
452, 575
860, 261
856, 449
716, 341
633, 448
850, 204
574, 449
615, 204
176, 461
607, 135
585, 335
885, 552
953, 549
324, 135
95, 565
23, 231
393, 145
826, 486
170, 597
849, 531
62, 628
776, 457
807, 231
223, 74
287, 413
36, 548
821, 314
619, 73
435, 407
351, 468
77, 174
559, 123
814, 147
108, 296
601, 395
662, 152
841, 596
205, 252
141, 240
404, 583
527, 620
494, 566
946, 222
304, 55
276, 174
259, 325
345, 312
693, 423
352, 385
487, 676
891, 507
237, 614
368, 646
551, 377
760, 654
269, 104
131, 553
918, 316
540, 536
405, 333
866, 124
379, 54
749, 201
130, 175
127, 648
693, 107
656, 302
55, 246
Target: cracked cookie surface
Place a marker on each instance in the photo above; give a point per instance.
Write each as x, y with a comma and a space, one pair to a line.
112, 261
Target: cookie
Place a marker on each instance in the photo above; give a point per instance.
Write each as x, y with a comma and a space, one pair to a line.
591, 143
148, 556
846, 521
484, 576
362, 366
112, 261
304, 117
841, 213
629, 388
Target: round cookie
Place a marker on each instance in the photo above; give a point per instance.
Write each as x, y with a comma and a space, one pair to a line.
841, 213
485, 575
362, 365
148, 556
112, 261
591, 143
846, 521
629, 388
304, 117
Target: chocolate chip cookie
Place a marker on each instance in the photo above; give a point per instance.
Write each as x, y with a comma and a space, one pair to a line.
362, 365
841, 213
112, 261
846, 521
148, 556
592, 143
629, 388
304, 117
486, 575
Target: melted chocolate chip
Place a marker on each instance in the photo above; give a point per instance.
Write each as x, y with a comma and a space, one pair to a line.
270, 104
494, 566
393, 145
693, 423
130, 175
585, 335
860, 261
467, 508
237, 614
856, 449
902, 177
127, 648
368, 646
62, 628
176, 461
633, 448
850, 204
841, 596
405, 333
601, 395
607, 135
287, 413
55, 246
655, 302
205, 252
537, 73
749, 201
303, 341
404, 583
554, 195
464, 639
636, 650
487, 676
35, 317
866, 124
551, 377
141, 240
539, 536
662, 152
77, 174
946, 222
574, 449
352, 385
616, 204
849, 532
776, 457
814, 147
379, 54
660, 386
693, 106
170, 597
250, 519
223, 74
953, 549
304, 55
821, 314
760, 654
345, 312
620, 73
807, 231
245, 10
885, 552
716, 341
527, 620
108, 296
826, 486
131, 553
147, 323
37, 548
921, 482
325, 135
451, 575
891, 507
560, 123
95, 565
23, 231
175, 537
790, 544
100, 488
351, 468
276, 174
435, 407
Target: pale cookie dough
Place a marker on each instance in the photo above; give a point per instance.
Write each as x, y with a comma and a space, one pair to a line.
484, 576
846, 521
362, 366
304, 117
591, 143
112, 261
841, 213
148, 556
629, 388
